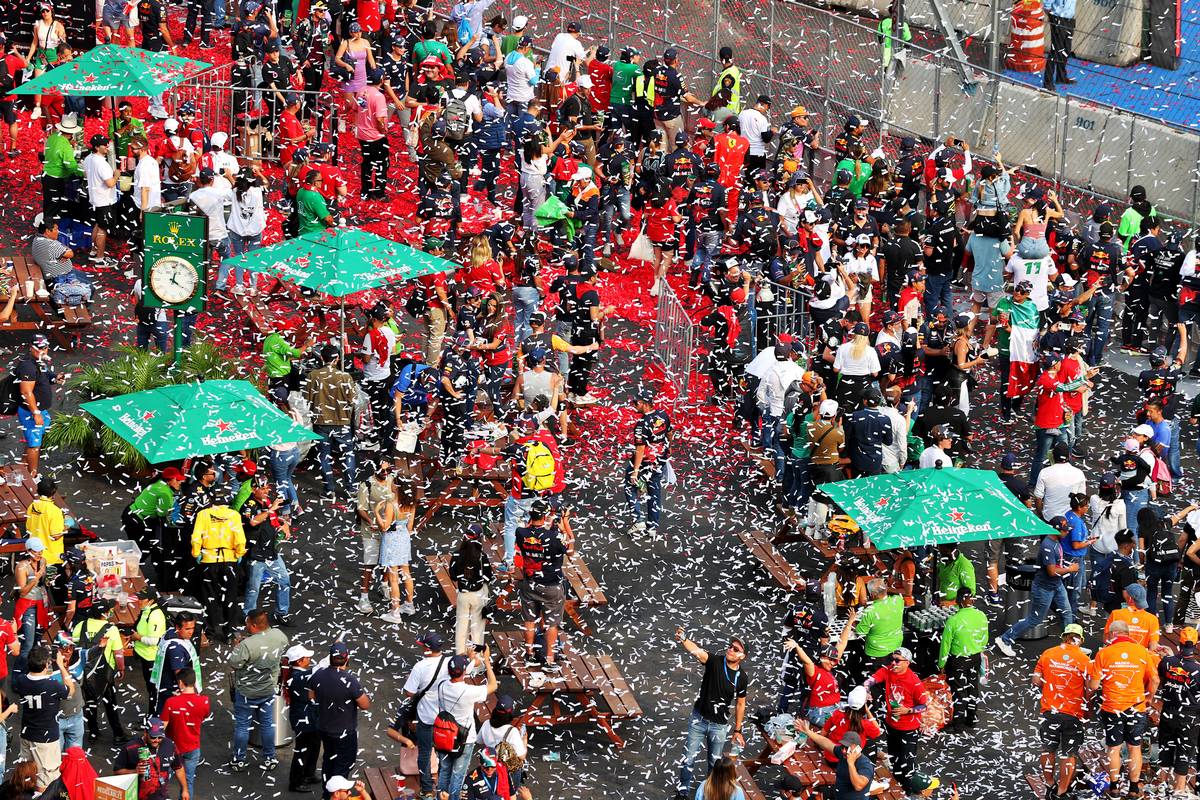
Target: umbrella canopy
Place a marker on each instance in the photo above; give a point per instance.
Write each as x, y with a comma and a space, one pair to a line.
112, 70
341, 261
194, 419
934, 506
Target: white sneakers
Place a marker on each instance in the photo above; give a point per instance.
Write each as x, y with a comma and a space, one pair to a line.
393, 617
1004, 646
408, 609
584, 399
364, 606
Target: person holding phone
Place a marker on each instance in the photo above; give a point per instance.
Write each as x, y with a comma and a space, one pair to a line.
854, 770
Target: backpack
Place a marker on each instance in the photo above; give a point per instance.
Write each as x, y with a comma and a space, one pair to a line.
1164, 547
10, 391
97, 674
539, 472
507, 753
448, 736
417, 303
7, 81
458, 119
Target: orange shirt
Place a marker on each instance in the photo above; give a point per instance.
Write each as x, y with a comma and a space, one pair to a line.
1143, 626
1064, 670
1125, 670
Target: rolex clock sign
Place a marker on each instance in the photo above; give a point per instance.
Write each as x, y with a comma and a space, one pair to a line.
175, 261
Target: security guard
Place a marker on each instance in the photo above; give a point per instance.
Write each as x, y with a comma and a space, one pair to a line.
150, 627
218, 541
726, 98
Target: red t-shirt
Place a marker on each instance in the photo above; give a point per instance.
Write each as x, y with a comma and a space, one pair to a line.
15, 64
660, 223
368, 16
731, 153
290, 130
823, 689
183, 715
902, 690
837, 725
1068, 372
331, 179
7, 636
602, 77
487, 277
1050, 404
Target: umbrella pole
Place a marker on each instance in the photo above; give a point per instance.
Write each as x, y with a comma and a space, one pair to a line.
342, 341
112, 151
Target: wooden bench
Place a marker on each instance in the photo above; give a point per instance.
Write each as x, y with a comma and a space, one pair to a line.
390, 783
64, 324
257, 312
759, 545
439, 564
747, 782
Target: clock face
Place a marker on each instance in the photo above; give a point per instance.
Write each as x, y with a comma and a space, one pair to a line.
173, 279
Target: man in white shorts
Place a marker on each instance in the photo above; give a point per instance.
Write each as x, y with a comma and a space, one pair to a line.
371, 492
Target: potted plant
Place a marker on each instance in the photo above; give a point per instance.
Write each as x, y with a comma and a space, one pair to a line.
131, 370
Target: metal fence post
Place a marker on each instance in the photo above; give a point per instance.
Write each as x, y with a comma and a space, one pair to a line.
827, 118
770, 45
716, 45
937, 99
1196, 196
612, 24
1062, 126
666, 21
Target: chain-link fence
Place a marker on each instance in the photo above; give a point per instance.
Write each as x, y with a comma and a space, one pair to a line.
830, 63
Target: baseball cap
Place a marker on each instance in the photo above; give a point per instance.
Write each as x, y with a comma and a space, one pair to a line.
861, 329
1060, 523
155, 728
339, 783
487, 757
574, 27
431, 640
907, 143
172, 474
828, 409
339, 649
297, 652
646, 394
892, 316
1108, 479
903, 654
98, 139
1189, 636
725, 53
798, 111
1024, 287
861, 204
219, 139
1144, 430
1137, 594
844, 176
1008, 461
1073, 630
457, 666
853, 122
858, 697
706, 123
851, 739
519, 22
584, 82
207, 174
34, 545
670, 54
171, 125
272, 45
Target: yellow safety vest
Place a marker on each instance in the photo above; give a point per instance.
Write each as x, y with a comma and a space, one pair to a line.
644, 88
735, 94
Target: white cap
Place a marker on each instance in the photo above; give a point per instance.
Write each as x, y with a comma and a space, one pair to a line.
219, 139
338, 784
34, 545
1068, 281
857, 697
519, 22
828, 408
297, 652
171, 125
582, 173
1144, 430
584, 82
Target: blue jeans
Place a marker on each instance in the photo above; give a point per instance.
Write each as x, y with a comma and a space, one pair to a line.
70, 730
282, 580
3, 748
770, 441
423, 736
28, 636
516, 515
1044, 440
1135, 501
701, 733
708, 246
1042, 596
653, 497
452, 770
159, 331
218, 22
1076, 583
190, 762
797, 485
245, 709
525, 302
1173, 451
1162, 575
344, 439
937, 293
1099, 327
236, 246
283, 467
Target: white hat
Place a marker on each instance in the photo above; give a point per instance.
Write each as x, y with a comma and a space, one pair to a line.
1067, 280
857, 697
69, 123
297, 652
828, 408
34, 545
519, 22
1144, 430
171, 125
337, 784
584, 82
582, 173
219, 139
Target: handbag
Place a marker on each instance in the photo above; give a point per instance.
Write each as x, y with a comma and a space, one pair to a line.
406, 715
641, 249
507, 754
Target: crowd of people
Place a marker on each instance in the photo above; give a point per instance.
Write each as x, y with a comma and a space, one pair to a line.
857, 305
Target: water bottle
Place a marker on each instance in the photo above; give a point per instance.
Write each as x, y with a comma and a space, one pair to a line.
144, 759
829, 595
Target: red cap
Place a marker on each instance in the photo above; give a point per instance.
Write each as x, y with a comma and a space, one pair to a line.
248, 466
705, 122
172, 474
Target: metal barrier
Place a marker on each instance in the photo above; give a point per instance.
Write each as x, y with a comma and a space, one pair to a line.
674, 340
786, 312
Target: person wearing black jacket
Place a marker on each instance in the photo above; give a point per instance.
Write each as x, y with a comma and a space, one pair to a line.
471, 572
1179, 691
302, 716
1114, 572
264, 530
868, 431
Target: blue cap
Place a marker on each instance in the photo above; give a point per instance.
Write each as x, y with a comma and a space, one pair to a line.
1008, 461
339, 649
1137, 594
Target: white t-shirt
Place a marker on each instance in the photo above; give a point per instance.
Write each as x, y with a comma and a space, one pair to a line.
789, 207
866, 267
492, 737
1037, 271
565, 44
221, 162
97, 170
247, 216
837, 290
212, 201
519, 73
373, 368
754, 124
418, 679
933, 456
896, 453
459, 699
146, 175
845, 362
1055, 484
1104, 520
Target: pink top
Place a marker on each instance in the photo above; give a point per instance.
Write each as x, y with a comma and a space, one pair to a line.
1034, 230
371, 106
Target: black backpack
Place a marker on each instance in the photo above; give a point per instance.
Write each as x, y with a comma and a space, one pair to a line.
10, 391
7, 80
1164, 546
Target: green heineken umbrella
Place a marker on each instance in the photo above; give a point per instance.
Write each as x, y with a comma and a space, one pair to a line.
934, 506
341, 261
112, 70
193, 419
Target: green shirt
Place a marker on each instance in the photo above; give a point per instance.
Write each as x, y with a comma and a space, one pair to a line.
312, 209
509, 42
624, 75
965, 634
278, 355
1130, 226
432, 47
121, 140
60, 158
156, 500
255, 663
954, 575
882, 625
858, 182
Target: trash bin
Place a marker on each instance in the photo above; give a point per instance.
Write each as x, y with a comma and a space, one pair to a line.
1020, 583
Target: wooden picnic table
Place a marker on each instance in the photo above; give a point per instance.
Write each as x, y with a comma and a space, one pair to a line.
808, 763
18, 490
588, 689
762, 548
65, 324
488, 488
390, 782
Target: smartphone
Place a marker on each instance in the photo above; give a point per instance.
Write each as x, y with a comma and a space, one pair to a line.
479, 648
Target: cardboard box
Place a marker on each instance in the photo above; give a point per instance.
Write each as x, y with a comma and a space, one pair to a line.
117, 787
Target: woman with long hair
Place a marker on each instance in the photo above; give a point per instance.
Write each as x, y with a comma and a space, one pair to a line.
484, 270
492, 339
502, 728
662, 221
1029, 232
247, 221
857, 366
721, 783
48, 34
854, 716
394, 516
356, 57
863, 270
471, 572
966, 356
20, 783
